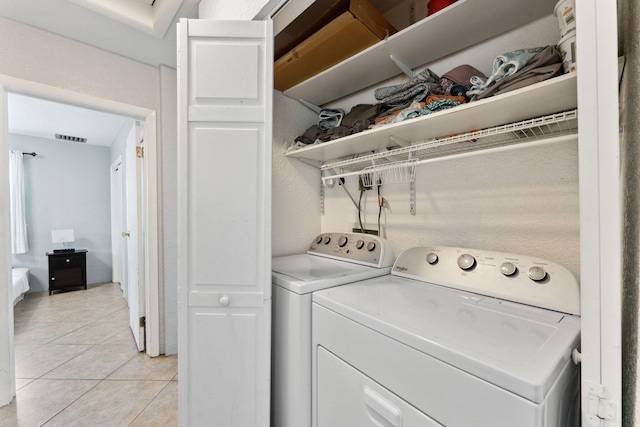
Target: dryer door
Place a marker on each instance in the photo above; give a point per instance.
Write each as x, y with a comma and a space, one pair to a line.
346, 397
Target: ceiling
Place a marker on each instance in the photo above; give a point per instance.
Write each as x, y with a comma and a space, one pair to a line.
43, 119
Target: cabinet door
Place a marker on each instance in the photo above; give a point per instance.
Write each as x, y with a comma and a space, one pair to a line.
224, 194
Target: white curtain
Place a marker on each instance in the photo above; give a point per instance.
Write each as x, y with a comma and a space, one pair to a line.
19, 244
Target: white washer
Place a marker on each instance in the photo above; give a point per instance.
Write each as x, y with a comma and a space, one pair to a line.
453, 337
333, 259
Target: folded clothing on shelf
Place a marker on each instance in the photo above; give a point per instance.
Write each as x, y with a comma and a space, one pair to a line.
545, 64
398, 97
503, 66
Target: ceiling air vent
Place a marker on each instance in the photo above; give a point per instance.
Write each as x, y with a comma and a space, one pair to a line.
70, 138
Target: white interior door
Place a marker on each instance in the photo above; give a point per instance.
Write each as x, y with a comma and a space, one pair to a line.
116, 221
224, 218
134, 284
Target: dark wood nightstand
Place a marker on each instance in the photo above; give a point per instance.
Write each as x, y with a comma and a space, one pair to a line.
67, 270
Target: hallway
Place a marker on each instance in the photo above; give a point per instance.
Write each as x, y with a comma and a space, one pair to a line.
77, 365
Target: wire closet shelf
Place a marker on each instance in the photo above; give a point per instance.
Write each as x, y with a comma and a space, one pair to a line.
398, 165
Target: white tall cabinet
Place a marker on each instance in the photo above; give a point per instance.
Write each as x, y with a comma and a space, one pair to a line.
224, 216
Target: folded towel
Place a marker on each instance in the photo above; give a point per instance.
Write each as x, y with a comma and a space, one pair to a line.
503, 66
402, 95
544, 65
330, 118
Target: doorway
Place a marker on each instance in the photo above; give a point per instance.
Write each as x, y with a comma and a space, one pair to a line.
145, 116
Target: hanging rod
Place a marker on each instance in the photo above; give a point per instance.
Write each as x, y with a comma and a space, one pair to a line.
33, 154
514, 133
398, 165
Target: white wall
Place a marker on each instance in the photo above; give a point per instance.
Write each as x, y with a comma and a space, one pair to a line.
167, 156
31, 54
522, 201
66, 186
296, 185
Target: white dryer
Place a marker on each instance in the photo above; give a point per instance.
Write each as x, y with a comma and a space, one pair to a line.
453, 337
333, 259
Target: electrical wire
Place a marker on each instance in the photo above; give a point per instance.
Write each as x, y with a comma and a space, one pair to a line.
362, 190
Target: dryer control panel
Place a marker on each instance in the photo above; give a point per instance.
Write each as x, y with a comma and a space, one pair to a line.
519, 278
365, 249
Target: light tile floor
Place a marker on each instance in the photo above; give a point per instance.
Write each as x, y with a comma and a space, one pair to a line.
77, 365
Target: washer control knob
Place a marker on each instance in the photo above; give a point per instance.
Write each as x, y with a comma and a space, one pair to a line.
326, 240
371, 246
360, 244
537, 274
319, 239
342, 241
432, 258
466, 261
508, 268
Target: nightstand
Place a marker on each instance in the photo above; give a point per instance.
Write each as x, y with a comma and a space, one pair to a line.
67, 270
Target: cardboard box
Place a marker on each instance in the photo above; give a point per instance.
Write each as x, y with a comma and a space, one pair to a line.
349, 33
316, 16
402, 13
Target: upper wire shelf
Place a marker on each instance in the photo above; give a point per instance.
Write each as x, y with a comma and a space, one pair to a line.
398, 164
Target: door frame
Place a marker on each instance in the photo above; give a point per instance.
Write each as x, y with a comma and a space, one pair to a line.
152, 237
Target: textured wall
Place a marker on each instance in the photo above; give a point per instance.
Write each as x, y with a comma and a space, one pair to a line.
522, 201
32, 54
296, 185
630, 153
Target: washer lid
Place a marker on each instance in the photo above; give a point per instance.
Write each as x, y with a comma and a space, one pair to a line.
513, 346
304, 273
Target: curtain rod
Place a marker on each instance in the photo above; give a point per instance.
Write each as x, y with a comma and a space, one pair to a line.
33, 153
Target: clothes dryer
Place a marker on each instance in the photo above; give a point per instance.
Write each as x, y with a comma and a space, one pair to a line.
452, 337
333, 259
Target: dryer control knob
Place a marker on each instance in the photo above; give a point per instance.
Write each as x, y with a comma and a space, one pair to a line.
319, 239
432, 258
360, 244
466, 261
537, 274
326, 240
342, 241
508, 268
371, 246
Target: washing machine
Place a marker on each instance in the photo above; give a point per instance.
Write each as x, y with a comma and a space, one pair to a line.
333, 259
452, 337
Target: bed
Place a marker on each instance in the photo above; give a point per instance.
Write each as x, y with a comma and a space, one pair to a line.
20, 283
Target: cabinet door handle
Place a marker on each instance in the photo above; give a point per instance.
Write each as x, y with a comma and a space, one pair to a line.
126, 234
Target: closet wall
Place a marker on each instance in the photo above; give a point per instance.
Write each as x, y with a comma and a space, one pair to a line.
295, 185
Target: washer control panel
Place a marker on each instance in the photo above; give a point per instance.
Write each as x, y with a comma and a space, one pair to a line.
511, 277
359, 248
